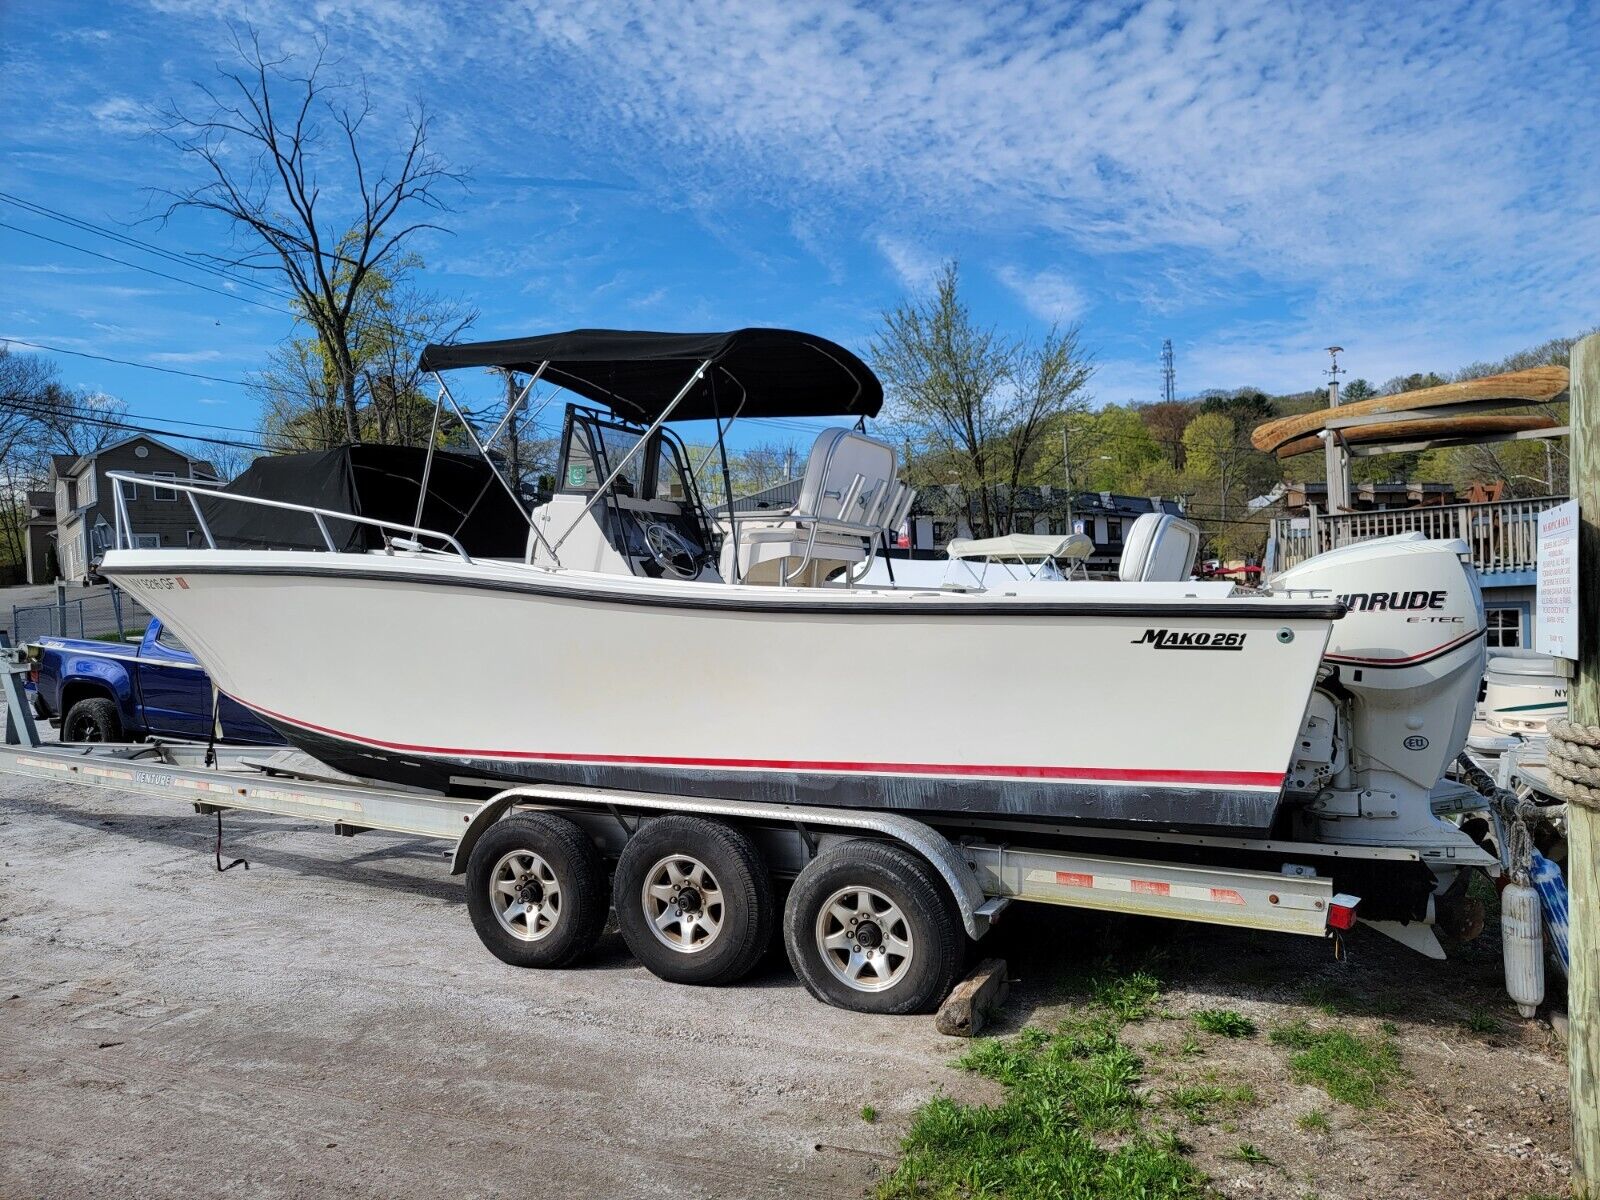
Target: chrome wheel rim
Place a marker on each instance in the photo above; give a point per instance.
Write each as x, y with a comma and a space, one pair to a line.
683, 904
864, 939
526, 895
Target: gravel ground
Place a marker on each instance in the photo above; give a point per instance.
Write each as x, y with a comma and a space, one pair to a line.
326, 1023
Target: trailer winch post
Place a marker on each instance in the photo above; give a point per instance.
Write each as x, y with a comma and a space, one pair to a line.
20, 729
1583, 821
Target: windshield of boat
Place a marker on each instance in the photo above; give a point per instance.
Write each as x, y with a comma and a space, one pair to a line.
594, 450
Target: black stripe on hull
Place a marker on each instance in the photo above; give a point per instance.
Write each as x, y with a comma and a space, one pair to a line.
1233, 812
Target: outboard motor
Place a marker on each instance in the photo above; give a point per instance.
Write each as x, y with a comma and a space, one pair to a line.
1395, 700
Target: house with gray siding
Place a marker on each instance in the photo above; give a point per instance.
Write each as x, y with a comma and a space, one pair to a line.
85, 507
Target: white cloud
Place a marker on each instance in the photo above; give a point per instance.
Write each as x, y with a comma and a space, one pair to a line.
1404, 173
913, 264
1048, 295
186, 356
119, 114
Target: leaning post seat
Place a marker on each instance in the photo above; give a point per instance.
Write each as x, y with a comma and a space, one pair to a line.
1159, 548
849, 499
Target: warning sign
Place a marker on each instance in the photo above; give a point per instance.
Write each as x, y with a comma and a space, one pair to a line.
1555, 618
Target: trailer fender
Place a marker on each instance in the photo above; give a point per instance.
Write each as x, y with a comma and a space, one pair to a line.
977, 911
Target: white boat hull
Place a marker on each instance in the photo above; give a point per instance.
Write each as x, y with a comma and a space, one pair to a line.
1080, 703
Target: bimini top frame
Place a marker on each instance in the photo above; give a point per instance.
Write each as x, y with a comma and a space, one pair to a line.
640, 376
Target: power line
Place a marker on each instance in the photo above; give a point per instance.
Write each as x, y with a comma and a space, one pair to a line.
124, 362
87, 412
113, 423
409, 336
186, 260
122, 262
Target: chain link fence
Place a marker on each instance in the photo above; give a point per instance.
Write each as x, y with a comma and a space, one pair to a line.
107, 616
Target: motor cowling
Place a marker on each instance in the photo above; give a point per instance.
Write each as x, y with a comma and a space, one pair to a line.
1404, 666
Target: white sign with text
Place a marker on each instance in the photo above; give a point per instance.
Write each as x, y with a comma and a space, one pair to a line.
1555, 616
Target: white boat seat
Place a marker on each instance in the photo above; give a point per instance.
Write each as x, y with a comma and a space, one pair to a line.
849, 499
1159, 548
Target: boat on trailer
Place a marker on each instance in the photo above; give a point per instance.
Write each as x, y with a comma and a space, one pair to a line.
626, 650
716, 694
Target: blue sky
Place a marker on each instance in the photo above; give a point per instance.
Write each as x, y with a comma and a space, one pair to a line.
1417, 182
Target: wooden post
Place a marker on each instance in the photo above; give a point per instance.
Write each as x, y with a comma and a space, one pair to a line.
1583, 836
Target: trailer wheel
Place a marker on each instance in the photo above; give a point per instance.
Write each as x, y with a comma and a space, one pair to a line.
693, 900
536, 890
92, 720
870, 928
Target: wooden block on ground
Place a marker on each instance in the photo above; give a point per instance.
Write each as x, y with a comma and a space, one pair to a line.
966, 1012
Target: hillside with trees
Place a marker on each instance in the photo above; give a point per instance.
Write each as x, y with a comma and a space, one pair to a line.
986, 417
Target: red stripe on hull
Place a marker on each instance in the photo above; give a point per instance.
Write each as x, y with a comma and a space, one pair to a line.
1238, 779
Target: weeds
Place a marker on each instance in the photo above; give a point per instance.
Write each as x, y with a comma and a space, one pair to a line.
1354, 1069
869, 1114
1481, 1020
1315, 1121
1063, 1087
1249, 1153
1197, 1102
1225, 1023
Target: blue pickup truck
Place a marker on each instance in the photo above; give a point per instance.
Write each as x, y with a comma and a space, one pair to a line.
105, 692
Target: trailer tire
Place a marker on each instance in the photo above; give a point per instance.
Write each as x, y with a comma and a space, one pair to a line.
909, 948
693, 899
556, 906
93, 720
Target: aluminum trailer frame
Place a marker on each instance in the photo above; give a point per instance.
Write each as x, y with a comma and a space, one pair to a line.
983, 875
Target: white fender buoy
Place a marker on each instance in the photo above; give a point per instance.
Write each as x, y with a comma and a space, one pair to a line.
1522, 940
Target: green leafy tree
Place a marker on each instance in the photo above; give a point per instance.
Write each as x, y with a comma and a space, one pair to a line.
977, 403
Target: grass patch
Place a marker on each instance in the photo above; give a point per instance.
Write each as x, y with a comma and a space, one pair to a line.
869, 1114
1481, 1020
1224, 1023
1315, 1121
1199, 1102
1253, 1154
1354, 1069
1063, 1088
1127, 997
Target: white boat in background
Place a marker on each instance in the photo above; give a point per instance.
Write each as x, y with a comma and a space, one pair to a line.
621, 650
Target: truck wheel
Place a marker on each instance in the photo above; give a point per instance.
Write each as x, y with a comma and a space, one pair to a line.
536, 890
870, 928
93, 720
693, 900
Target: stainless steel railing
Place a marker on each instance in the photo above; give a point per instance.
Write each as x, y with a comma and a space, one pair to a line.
194, 488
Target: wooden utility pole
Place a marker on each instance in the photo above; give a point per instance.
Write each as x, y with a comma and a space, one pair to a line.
1583, 822
513, 442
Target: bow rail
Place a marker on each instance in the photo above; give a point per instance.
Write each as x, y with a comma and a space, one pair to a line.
210, 488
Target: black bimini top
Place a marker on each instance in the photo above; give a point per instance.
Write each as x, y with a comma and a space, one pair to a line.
754, 372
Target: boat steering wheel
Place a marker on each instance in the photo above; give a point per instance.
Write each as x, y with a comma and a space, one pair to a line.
671, 551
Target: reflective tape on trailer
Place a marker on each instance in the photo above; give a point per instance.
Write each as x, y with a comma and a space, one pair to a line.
1144, 887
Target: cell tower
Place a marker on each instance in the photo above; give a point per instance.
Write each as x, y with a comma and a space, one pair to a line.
1169, 374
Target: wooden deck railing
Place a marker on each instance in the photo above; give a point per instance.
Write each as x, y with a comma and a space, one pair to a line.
1504, 536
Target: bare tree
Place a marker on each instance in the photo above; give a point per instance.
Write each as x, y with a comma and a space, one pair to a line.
262, 144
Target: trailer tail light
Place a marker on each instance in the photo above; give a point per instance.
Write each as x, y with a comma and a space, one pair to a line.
1342, 911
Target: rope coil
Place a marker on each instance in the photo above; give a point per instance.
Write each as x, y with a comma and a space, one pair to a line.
1573, 754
